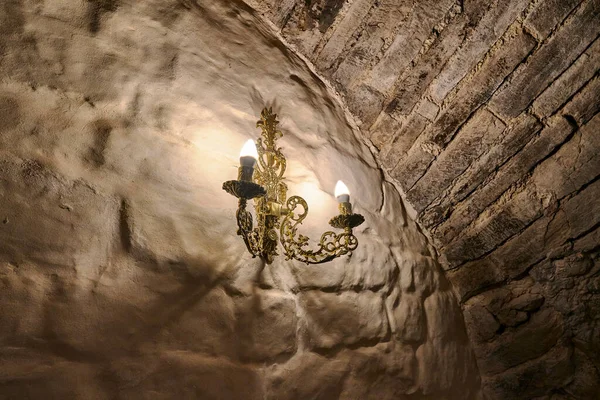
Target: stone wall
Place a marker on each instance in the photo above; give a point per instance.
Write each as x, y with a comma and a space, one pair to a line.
485, 115
121, 276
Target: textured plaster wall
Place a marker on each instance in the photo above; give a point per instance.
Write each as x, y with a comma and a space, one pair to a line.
120, 272
485, 114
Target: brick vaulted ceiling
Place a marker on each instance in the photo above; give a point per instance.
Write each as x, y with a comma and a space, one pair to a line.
485, 113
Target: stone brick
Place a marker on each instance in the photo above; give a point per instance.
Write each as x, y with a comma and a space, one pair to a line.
517, 345
513, 140
472, 277
436, 355
379, 25
305, 40
281, 13
529, 247
496, 227
585, 382
380, 372
347, 273
414, 82
304, 23
51, 377
549, 61
556, 131
127, 279
402, 139
512, 317
545, 15
481, 324
585, 104
490, 28
428, 109
573, 265
383, 130
412, 167
573, 165
527, 302
498, 64
558, 93
10, 113
534, 378
393, 206
344, 29
587, 242
520, 252
582, 212
347, 318
208, 326
365, 103
423, 17
473, 139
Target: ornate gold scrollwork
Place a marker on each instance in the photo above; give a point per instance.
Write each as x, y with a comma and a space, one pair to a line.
331, 245
270, 194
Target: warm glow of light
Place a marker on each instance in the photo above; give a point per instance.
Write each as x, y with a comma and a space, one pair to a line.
249, 150
341, 189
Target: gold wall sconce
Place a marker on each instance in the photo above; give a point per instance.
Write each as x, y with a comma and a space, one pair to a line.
260, 177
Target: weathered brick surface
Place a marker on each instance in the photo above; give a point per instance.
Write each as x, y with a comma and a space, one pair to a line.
576, 216
407, 43
405, 135
585, 104
517, 136
475, 138
550, 61
575, 164
556, 131
342, 33
414, 82
486, 80
379, 28
489, 29
412, 167
491, 230
583, 69
517, 346
547, 14
550, 371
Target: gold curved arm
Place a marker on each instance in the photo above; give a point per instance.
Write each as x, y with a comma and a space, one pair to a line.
331, 245
246, 228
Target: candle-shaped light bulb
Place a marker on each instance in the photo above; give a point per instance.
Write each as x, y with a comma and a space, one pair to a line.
342, 193
248, 155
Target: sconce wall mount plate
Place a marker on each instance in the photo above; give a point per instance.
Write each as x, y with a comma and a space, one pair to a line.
264, 182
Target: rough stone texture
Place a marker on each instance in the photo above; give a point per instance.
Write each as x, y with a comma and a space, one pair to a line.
360, 318
121, 275
487, 130
549, 61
